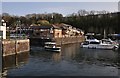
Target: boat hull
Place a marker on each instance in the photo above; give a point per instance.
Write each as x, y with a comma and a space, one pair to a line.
53, 49
101, 46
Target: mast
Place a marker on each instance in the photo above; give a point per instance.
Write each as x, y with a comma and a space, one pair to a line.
104, 33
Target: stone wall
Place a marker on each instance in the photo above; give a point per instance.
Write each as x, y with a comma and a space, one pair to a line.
68, 40
22, 45
15, 46
59, 41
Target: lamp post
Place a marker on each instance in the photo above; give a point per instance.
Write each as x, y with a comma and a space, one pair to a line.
19, 23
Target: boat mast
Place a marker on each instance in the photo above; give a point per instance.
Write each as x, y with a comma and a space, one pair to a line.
104, 34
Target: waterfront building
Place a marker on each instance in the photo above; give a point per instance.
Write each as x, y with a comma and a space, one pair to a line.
68, 30
3, 29
51, 31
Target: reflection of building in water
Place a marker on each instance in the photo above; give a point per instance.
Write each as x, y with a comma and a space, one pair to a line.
14, 61
22, 59
56, 57
69, 51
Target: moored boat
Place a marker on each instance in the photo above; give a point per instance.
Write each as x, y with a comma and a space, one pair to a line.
100, 44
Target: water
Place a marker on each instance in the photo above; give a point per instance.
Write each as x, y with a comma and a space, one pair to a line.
71, 61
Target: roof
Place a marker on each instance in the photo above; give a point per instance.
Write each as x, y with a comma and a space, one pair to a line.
56, 27
62, 26
41, 27
45, 27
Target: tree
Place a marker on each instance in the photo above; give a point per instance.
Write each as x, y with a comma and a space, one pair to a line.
43, 22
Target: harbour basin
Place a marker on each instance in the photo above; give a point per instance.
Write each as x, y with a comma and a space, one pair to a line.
71, 61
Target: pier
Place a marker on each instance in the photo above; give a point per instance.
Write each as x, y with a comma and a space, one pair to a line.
10, 47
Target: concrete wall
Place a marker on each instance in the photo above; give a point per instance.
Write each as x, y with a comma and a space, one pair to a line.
11, 47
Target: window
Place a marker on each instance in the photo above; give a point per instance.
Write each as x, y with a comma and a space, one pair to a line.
86, 43
94, 42
1, 34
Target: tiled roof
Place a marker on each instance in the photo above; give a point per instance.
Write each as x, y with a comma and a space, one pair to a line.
43, 27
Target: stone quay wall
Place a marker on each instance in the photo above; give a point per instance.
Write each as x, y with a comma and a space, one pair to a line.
10, 47
69, 40
61, 40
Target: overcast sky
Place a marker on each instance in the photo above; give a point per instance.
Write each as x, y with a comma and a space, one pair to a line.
23, 8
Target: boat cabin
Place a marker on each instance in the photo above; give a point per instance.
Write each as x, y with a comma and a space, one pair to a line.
51, 46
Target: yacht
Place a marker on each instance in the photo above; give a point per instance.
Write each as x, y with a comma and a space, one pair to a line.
100, 44
51, 46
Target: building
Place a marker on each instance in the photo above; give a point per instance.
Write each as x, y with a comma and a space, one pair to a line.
57, 32
68, 30
50, 31
3, 29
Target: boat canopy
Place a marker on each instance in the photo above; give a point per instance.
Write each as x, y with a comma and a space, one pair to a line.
50, 43
92, 40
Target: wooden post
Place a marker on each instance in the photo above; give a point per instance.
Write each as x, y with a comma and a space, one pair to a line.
16, 46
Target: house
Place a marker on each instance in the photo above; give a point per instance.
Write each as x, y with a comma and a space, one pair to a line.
52, 31
68, 30
57, 32
3, 29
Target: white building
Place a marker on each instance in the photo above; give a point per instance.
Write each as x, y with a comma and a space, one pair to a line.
119, 6
3, 29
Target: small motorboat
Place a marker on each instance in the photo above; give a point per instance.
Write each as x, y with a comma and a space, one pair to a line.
100, 44
51, 46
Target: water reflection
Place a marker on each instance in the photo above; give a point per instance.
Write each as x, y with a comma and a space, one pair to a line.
73, 53
71, 61
56, 57
14, 61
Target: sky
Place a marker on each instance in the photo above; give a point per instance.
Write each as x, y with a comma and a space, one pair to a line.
59, 0
65, 8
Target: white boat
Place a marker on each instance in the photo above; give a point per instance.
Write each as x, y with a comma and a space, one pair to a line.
100, 44
51, 46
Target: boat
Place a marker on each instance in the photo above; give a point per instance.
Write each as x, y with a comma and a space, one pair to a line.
51, 46
110, 41
100, 44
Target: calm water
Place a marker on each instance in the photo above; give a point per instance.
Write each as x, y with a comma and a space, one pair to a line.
71, 61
